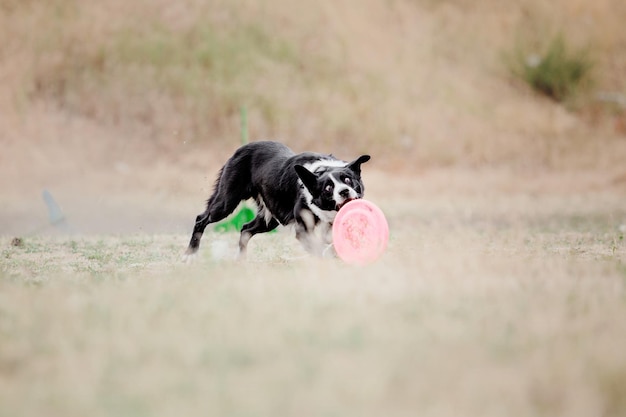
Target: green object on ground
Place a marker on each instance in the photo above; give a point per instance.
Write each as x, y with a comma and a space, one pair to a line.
236, 222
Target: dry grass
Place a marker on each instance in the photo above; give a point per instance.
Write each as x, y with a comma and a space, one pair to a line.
485, 304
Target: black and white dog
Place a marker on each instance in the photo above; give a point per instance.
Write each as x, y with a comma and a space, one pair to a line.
306, 189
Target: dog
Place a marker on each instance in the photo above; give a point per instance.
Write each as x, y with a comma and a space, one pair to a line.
306, 190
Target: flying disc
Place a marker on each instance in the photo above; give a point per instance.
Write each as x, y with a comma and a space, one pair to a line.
360, 232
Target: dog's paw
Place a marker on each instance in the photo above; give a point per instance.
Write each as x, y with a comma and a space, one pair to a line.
188, 258
329, 252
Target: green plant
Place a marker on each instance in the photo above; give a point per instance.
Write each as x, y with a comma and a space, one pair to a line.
558, 71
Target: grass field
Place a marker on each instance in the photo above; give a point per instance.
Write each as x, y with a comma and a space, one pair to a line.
493, 304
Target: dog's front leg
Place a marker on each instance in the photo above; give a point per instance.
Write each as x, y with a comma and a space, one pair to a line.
306, 225
328, 249
308, 240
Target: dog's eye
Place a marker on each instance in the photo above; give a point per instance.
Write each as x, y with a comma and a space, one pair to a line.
328, 188
348, 181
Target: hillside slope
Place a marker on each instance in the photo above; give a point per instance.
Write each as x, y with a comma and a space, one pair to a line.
417, 83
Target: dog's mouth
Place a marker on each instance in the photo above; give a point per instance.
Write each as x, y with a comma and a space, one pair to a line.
346, 201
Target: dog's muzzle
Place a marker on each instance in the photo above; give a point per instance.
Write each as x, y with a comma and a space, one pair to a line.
346, 201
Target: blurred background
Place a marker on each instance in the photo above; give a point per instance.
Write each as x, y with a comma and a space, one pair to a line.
130, 107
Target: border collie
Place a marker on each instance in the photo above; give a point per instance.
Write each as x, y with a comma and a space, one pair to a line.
305, 189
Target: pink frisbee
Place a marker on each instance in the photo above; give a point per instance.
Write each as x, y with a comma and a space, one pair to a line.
360, 232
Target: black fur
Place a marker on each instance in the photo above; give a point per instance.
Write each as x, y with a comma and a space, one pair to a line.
285, 190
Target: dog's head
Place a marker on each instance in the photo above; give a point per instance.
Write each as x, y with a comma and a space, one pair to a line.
333, 185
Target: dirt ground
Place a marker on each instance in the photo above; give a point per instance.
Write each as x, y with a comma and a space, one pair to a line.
117, 186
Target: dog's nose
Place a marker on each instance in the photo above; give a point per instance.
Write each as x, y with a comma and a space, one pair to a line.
345, 193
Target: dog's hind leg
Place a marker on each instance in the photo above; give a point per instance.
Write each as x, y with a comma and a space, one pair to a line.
258, 225
233, 185
202, 220
218, 208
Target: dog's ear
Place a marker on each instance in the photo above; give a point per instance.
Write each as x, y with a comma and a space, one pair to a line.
355, 165
309, 179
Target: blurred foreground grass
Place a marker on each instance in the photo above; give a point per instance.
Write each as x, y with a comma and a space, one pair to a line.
479, 317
